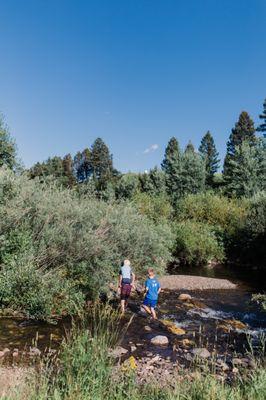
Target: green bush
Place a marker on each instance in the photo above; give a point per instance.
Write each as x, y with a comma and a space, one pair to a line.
81, 239
250, 243
197, 243
219, 211
156, 208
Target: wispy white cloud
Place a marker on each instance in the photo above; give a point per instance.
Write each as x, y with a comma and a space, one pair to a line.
151, 149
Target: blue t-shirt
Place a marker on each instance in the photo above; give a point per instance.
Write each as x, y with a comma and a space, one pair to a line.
153, 286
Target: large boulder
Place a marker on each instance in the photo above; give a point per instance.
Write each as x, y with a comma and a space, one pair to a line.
159, 340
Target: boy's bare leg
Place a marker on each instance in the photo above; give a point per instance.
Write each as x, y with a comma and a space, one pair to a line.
123, 306
146, 308
153, 313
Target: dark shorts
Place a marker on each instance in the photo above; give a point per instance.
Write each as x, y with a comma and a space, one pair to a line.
125, 291
150, 303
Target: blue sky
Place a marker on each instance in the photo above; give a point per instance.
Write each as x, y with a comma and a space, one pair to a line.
134, 72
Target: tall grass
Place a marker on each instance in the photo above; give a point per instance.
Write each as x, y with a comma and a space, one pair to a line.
85, 371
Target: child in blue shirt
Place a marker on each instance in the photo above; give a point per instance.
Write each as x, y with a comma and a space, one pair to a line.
152, 290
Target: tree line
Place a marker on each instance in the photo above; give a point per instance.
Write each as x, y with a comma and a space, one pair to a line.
181, 172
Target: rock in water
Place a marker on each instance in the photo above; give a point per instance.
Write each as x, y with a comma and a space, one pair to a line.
184, 297
201, 352
159, 340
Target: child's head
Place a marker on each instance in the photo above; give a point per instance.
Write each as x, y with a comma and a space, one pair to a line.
151, 272
127, 263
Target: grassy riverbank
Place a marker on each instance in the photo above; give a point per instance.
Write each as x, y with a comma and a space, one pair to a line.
85, 370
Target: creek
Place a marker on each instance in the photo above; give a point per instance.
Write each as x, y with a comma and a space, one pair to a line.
205, 321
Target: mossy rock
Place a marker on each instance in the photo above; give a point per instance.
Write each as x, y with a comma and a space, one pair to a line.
171, 327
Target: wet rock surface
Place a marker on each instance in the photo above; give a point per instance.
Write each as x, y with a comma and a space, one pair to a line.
195, 338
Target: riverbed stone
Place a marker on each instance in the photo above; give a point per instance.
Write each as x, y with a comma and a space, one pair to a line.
147, 328
2, 354
221, 364
201, 352
159, 340
34, 351
6, 350
118, 351
184, 297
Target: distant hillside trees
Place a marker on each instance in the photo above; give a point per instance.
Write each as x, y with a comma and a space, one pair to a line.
210, 155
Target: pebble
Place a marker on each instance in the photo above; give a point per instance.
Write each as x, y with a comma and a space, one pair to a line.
2, 354
6, 350
118, 351
201, 352
159, 340
147, 328
184, 297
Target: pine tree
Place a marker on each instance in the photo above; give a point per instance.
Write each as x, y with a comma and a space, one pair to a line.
7, 147
68, 171
78, 167
244, 130
172, 167
157, 178
262, 126
86, 163
210, 155
101, 163
193, 171
247, 170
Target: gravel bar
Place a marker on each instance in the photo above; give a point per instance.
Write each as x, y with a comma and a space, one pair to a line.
189, 282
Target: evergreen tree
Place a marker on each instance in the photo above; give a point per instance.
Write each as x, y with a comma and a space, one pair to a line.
157, 178
127, 186
53, 166
244, 130
78, 167
86, 163
68, 171
210, 155
193, 171
172, 168
262, 126
152, 182
7, 147
247, 168
101, 163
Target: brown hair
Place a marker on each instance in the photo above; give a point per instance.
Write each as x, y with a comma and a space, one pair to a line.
150, 271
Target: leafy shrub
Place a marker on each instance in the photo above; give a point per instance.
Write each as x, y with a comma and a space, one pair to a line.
226, 214
156, 208
81, 239
197, 243
250, 243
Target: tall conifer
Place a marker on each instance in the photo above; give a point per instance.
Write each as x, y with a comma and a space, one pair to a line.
172, 168
262, 126
210, 155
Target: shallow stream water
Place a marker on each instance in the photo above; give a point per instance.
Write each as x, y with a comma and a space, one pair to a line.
201, 322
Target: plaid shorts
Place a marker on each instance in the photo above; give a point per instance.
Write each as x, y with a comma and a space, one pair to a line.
125, 291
